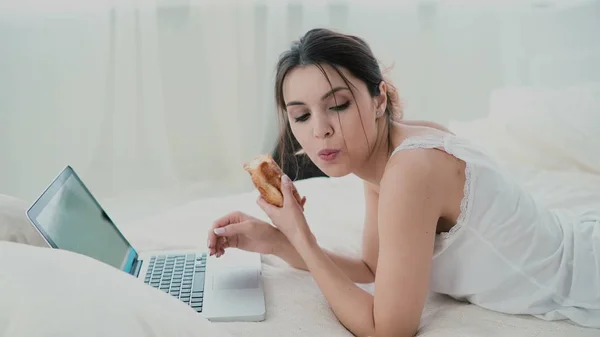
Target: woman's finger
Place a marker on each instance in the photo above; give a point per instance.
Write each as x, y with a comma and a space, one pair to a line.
225, 242
212, 237
239, 228
287, 189
266, 207
222, 242
221, 222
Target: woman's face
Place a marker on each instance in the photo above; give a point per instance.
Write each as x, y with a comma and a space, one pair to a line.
335, 131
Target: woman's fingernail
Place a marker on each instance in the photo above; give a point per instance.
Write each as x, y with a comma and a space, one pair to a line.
285, 179
219, 230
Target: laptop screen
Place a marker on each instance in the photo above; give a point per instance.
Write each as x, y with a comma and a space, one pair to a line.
70, 218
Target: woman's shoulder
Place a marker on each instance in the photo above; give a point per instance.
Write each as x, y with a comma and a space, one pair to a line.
418, 180
405, 131
412, 162
416, 164
427, 166
416, 158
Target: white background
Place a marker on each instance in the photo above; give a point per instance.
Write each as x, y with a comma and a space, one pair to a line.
156, 103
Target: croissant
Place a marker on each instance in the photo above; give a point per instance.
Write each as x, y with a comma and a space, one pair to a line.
266, 176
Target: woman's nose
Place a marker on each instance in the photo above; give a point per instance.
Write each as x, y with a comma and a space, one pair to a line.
323, 130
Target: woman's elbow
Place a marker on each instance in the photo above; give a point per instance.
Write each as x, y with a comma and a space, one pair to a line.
394, 333
395, 328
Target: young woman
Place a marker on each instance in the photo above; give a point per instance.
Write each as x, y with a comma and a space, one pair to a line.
441, 215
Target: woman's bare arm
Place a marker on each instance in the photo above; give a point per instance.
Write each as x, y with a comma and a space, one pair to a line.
412, 199
408, 213
359, 270
355, 268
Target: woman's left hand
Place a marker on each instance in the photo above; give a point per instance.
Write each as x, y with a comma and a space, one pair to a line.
289, 219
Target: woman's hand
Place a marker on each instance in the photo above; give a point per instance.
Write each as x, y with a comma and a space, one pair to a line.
239, 230
289, 219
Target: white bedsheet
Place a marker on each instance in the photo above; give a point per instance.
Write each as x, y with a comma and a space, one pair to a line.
334, 209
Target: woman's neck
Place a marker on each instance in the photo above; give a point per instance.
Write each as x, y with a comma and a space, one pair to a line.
373, 169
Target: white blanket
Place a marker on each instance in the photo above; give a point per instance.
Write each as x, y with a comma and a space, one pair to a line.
334, 209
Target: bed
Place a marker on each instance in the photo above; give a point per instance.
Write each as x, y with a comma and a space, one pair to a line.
555, 157
295, 306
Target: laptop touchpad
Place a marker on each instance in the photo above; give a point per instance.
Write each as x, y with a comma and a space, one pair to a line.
235, 278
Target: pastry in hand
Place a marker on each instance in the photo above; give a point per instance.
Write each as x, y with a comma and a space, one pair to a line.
266, 176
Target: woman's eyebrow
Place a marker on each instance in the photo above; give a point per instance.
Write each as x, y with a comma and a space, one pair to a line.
329, 93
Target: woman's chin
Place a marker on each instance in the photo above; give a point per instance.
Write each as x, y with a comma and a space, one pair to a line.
334, 171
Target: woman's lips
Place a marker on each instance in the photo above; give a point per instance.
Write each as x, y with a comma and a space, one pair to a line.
328, 154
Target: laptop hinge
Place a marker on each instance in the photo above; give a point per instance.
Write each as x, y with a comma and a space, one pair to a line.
135, 269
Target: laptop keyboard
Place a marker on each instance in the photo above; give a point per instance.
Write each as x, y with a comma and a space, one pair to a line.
181, 276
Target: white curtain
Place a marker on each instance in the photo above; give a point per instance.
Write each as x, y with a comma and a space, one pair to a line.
157, 102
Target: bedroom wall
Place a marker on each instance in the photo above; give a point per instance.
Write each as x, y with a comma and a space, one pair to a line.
159, 103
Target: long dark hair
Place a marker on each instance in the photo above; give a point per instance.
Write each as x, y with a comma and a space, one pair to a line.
323, 46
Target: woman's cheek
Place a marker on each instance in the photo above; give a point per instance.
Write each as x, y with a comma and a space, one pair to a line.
301, 134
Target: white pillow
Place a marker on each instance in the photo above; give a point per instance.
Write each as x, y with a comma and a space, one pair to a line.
513, 153
14, 225
51, 292
553, 128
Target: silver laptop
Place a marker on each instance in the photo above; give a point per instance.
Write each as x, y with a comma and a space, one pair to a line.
230, 288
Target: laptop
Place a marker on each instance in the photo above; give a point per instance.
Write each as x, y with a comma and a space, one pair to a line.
230, 288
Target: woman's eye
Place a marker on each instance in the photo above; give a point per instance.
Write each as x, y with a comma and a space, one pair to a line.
340, 107
302, 118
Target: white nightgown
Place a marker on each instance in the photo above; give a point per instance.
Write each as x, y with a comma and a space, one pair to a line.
510, 254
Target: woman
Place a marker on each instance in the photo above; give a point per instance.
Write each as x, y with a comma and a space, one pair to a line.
441, 216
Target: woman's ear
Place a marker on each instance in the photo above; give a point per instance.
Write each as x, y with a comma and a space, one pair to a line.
381, 100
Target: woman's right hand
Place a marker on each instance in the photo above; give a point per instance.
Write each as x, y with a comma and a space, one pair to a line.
239, 230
